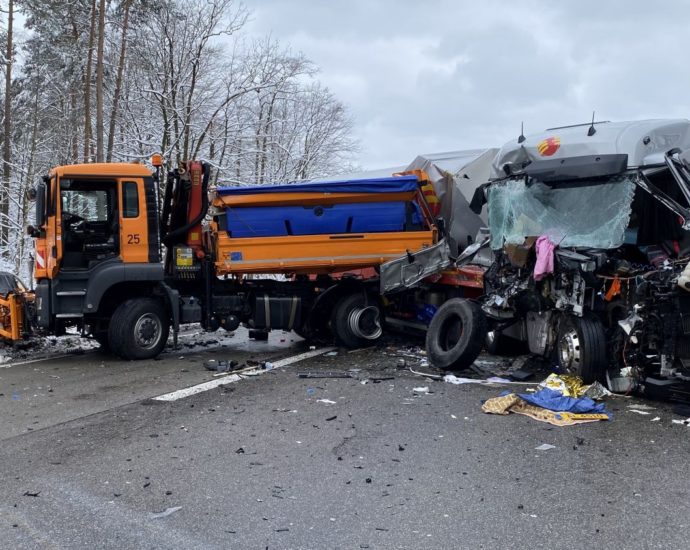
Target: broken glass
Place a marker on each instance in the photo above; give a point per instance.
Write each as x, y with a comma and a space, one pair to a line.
591, 214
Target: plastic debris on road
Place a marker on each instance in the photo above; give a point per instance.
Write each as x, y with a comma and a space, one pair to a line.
326, 401
421, 390
597, 391
165, 513
544, 447
686, 422
458, 380
324, 374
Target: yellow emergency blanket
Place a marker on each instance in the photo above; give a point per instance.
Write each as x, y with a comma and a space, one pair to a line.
511, 403
567, 384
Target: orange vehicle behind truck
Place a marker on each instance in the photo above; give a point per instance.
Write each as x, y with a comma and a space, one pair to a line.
110, 262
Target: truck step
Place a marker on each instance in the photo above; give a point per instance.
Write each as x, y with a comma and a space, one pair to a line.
71, 293
69, 315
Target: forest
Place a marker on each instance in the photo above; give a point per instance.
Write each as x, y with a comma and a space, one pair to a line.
118, 80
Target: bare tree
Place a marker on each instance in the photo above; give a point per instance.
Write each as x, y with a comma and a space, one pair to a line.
99, 81
7, 126
185, 82
87, 83
118, 80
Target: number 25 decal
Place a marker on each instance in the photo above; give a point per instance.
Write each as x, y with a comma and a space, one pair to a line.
133, 238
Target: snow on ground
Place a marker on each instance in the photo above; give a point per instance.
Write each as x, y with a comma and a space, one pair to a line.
191, 338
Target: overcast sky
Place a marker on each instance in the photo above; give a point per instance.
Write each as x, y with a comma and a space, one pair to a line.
438, 75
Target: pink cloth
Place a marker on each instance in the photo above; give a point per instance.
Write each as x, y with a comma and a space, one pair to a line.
544, 265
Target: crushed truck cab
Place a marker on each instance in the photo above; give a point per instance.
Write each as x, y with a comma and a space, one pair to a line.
110, 263
590, 235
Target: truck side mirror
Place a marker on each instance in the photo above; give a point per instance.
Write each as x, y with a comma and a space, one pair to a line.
32, 193
40, 205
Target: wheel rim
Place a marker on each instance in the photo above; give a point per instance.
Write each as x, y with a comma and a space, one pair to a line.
148, 331
569, 351
452, 332
364, 322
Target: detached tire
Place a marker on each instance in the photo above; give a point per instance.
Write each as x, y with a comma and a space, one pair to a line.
456, 334
356, 322
581, 348
139, 329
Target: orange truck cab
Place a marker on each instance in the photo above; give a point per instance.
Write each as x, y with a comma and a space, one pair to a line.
97, 248
99, 237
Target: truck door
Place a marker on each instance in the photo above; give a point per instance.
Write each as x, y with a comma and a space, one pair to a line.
133, 221
87, 222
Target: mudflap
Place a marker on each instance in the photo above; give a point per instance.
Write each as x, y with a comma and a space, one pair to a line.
174, 305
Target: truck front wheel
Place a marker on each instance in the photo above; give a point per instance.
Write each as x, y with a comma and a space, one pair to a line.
581, 347
456, 334
139, 329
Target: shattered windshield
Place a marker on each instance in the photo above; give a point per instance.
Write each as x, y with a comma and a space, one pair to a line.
591, 214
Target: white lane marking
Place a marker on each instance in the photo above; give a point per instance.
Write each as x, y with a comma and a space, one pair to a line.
295, 358
186, 392
231, 378
18, 363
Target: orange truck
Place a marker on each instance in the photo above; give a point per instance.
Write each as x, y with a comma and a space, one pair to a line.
126, 264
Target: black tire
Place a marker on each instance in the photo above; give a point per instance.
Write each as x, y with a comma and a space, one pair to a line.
581, 348
139, 329
456, 334
354, 308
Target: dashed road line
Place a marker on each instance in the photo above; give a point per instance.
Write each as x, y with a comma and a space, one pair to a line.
232, 378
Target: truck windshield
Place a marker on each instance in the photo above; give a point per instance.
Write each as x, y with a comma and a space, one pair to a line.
591, 214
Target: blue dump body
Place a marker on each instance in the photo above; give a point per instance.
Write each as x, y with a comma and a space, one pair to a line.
278, 221
323, 219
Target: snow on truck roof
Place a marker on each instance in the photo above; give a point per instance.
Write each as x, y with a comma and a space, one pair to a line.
644, 141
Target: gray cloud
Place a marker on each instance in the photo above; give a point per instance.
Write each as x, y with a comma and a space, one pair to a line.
439, 75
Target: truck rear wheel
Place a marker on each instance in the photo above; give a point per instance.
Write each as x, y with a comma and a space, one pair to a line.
581, 348
456, 334
139, 329
356, 323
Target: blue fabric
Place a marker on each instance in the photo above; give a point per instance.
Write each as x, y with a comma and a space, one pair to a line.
553, 400
395, 184
279, 221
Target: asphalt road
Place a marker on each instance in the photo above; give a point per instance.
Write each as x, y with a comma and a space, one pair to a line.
277, 461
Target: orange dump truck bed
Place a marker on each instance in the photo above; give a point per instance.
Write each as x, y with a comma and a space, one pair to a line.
319, 227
